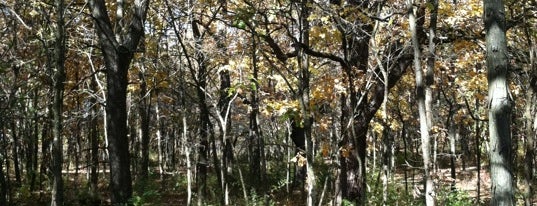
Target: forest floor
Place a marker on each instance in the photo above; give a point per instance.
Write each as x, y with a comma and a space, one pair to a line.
170, 190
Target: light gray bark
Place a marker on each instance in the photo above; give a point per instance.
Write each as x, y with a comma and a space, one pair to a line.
500, 104
420, 98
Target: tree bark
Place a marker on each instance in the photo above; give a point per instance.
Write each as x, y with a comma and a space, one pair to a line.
204, 117
500, 104
304, 99
57, 108
431, 59
420, 98
118, 53
254, 131
3, 182
531, 125
144, 108
93, 135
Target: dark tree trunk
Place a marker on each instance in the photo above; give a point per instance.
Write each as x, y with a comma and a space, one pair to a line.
500, 104
205, 128
32, 145
57, 108
45, 154
254, 131
530, 115
478, 151
15, 152
118, 145
94, 144
3, 182
118, 54
144, 108
303, 60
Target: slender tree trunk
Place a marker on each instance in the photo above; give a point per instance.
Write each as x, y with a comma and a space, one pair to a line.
254, 131
478, 151
3, 182
500, 104
94, 144
404, 138
204, 119
57, 108
531, 124
304, 100
159, 136
420, 98
15, 153
431, 59
452, 142
529, 145
144, 108
186, 148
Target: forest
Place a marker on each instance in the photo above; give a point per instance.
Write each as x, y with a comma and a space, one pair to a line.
268, 102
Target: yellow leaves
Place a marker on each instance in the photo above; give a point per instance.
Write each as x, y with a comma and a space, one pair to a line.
480, 96
325, 149
460, 45
33, 13
324, 36
346, 150
279, 108
377, 127
299, 159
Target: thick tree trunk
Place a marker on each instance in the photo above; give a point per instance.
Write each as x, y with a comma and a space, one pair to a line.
500, 104
118, 144
118, 53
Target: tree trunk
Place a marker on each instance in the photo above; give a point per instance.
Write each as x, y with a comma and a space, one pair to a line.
431, 59
420, 98
15, 153
144, 108
254, 131
118, 53
94, 144
204, 117
452, 155
304, 99
478, 150
500, 104
57, 108
159, 137
3, 182
531, 125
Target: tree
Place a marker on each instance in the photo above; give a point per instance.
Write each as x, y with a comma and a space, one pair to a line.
118, 48
420, 96
59, 78
500, 104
